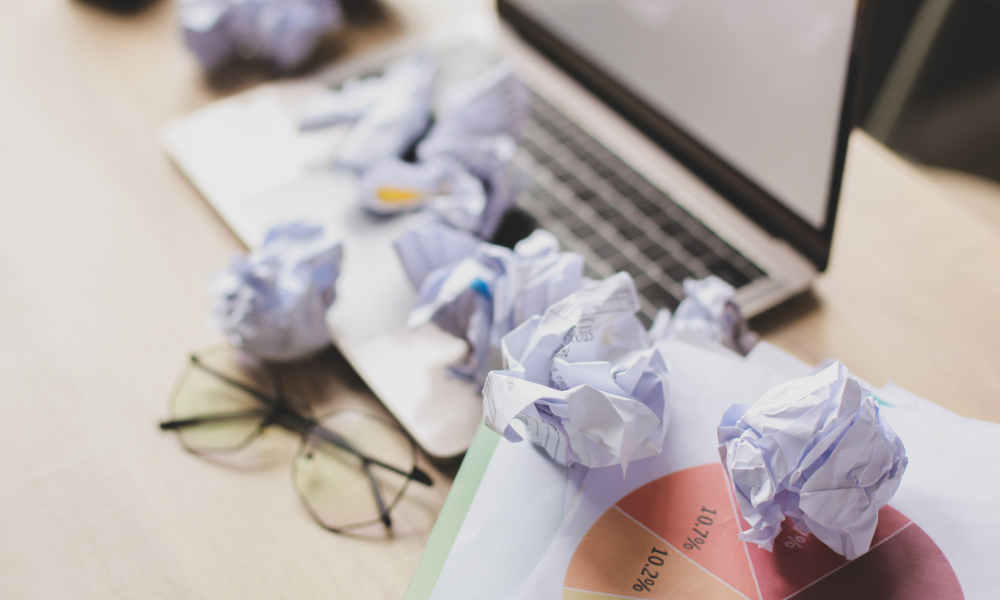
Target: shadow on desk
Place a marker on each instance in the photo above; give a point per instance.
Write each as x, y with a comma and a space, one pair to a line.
786, 314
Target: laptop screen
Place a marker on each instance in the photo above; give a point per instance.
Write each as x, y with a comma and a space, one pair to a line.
755, 94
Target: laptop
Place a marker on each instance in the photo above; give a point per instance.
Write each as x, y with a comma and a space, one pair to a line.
666, 138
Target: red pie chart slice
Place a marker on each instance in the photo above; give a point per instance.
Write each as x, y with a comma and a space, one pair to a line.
799, 560
907, 565
699, 520
691, 515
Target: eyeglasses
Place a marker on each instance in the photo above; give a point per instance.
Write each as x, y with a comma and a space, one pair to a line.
352, 467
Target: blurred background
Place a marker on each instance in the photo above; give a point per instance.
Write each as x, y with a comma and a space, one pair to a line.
932, 93
931, 90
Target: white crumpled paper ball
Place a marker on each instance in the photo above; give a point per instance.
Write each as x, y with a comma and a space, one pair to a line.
272, 303
282, 32
584, 380
708, 311
483, 296
818, 450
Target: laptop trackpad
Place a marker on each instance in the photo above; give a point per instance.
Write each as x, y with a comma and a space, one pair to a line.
373, 293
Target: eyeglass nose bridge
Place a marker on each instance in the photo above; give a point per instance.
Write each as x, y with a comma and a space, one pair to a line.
284, 415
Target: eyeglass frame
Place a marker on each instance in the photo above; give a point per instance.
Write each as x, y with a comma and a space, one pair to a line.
280, 411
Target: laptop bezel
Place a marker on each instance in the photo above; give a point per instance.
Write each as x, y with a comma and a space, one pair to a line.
759, 205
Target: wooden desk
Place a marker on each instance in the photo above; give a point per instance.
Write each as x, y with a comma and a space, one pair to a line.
104, 254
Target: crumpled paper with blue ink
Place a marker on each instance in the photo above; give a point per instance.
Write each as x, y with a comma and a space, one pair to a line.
281, 32
584, 380
435, 245
483, 296
818, 450
709, 312
272, 303
475, 136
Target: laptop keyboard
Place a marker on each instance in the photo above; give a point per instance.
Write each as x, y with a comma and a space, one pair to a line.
597, 205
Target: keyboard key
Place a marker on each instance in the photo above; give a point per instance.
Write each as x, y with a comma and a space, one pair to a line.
631, 232
729, 274
673, 229
643, 240
633, 269
609, 213
561, 212
696, 247
678, 272
619, 222
659, 296
572, 221
598, 203
583, 231
606, 251
619, 262
655, 252
577, 186
647, 207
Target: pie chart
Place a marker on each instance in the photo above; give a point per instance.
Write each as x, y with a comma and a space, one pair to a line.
675, 537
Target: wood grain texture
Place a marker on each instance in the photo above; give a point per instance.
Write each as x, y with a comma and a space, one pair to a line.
104, 254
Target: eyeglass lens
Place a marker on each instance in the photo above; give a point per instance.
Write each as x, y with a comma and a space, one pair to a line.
223, 401
344, 491
231, 415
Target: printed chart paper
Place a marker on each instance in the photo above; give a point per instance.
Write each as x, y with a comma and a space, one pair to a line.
669, 529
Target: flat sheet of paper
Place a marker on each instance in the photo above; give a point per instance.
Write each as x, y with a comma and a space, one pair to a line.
517, 510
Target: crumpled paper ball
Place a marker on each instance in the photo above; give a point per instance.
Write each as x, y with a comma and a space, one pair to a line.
388, 112
485, 295
818, 450
584, 380
426, 249
708, 311
473, 139
442, 186
400, 114
494, 103
281, 32
491, 160
272, 303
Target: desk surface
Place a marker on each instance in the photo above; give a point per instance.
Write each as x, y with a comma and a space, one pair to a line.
104, 254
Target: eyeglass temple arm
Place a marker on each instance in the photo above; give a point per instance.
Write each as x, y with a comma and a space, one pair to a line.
233, 416
383, 511
269, 401
300, 424
324, 434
